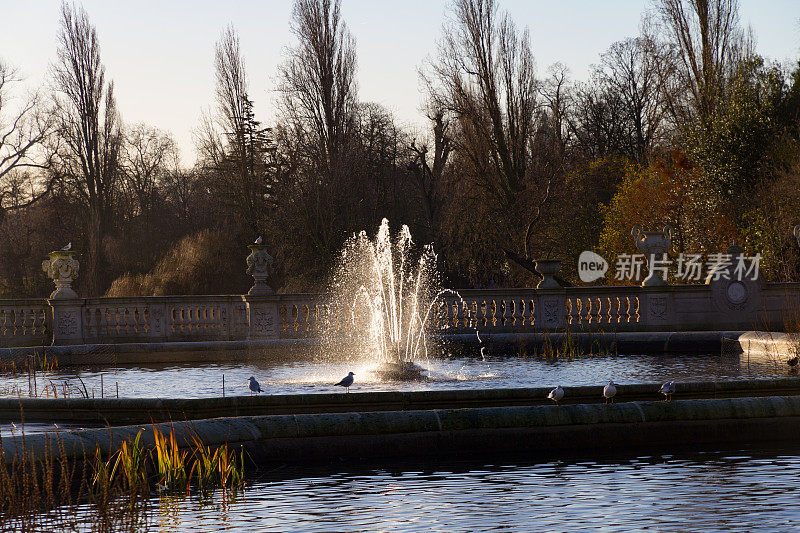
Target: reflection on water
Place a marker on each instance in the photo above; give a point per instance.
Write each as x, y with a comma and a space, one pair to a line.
197, 381
741, 490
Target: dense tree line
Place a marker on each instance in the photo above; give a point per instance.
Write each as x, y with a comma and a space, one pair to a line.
682, 124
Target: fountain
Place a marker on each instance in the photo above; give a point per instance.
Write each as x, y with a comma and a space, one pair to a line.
387, 293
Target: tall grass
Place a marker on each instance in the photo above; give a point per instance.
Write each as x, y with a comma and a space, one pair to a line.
50, 492
569, 348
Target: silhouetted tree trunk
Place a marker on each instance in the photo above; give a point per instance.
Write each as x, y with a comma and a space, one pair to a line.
233, 144
319, 104
89, 129
430, 173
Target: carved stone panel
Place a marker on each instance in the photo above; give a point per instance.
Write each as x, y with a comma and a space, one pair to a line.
67, 323
263, 318
551, 312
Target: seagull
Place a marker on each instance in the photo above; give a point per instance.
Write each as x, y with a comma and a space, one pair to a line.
346, 382
667, 389
254, 386
259, 240
68, 247
556, 394
609, 391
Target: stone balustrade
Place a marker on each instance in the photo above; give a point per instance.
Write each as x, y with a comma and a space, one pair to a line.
290, 316
718, 305
163, 319
25, 322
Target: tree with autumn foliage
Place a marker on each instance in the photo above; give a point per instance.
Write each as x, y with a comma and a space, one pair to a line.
671, 192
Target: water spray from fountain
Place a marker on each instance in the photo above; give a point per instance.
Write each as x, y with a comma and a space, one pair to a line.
390, 296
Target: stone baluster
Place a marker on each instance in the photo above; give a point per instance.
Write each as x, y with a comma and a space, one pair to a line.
601, 311
516, 313
615, 311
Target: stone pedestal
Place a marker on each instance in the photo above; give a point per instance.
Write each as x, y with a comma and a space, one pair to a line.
157, 321
262, 317
657, 308
62, 267
67, 321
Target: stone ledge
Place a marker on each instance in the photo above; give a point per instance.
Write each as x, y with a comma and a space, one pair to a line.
309, 437
143, 410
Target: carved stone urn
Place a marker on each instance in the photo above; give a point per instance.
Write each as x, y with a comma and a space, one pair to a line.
62, 268
259, 265
654, 245
548, 268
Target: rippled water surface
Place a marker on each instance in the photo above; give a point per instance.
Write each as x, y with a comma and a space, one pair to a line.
742, 490
717, 491
294, 377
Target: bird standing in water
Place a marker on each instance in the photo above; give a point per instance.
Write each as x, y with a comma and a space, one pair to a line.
609, 391
254, 386
346, 382
556, 394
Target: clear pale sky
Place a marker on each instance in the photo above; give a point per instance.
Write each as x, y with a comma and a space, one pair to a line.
160, 52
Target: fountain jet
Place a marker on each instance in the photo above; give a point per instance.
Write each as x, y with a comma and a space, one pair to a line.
390, 296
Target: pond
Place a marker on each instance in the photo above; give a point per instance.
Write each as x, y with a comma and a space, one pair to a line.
740, 489
310, 376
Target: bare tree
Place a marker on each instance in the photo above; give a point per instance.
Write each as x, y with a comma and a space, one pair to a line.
556, 94
430, 168
598, 122
484, 76
89, 127
318, 79
145, 156
707, 42
629, 70
317, 82
234, 146
24, 128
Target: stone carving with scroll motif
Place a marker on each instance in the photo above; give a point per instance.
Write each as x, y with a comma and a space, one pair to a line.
657, 306
264, 324
67, 324
550, 306
156, 314
62, 268
260, 266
